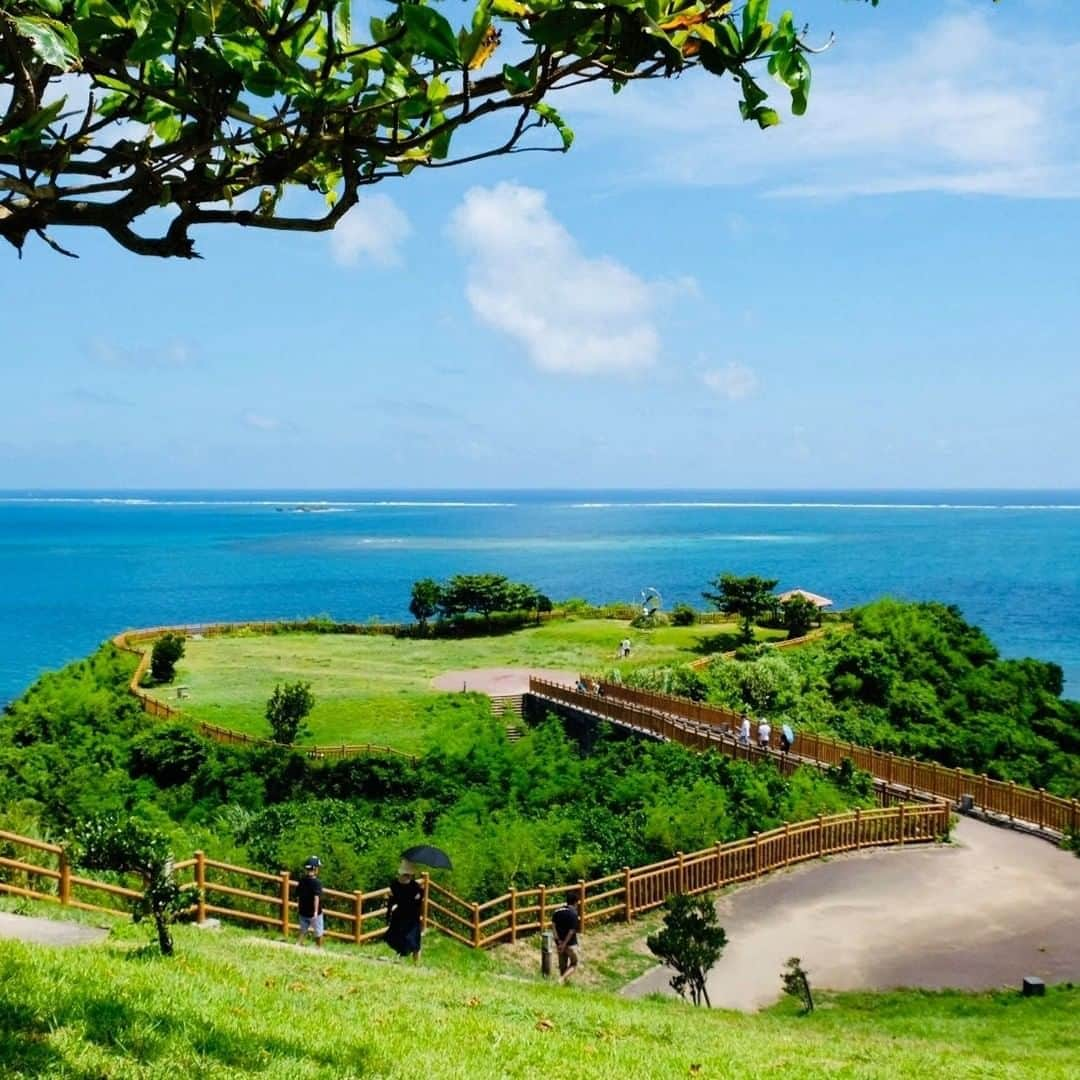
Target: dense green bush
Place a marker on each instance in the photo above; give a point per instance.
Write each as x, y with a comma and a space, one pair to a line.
167, 652
683, 615
916, 679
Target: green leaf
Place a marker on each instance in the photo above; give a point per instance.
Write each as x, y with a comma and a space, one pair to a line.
51, 41
766, 118
552, 117
754, 14
516, 80
167, 129
430, 34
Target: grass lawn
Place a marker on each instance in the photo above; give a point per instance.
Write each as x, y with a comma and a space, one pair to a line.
377, 688
231, 1006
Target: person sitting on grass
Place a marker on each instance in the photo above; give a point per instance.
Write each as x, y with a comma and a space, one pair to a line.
566, 923
309, 902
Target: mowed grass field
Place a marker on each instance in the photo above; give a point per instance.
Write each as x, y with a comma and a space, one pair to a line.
232, 1006
377, 688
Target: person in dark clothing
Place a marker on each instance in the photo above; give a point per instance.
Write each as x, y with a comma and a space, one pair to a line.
309, 902
566, 923
404, 909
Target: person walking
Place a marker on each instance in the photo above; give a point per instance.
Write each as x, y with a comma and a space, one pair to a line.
787, 737
404, 908
764, 731
744, 731
566, 923
309, 902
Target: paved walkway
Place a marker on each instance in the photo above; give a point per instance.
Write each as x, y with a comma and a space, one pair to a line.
977, 914
48, 931
499, 680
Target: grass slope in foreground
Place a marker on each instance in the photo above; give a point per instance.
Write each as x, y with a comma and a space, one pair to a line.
377, 688
230, 1006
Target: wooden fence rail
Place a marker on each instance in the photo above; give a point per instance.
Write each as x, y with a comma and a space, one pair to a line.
696, 723
256, 898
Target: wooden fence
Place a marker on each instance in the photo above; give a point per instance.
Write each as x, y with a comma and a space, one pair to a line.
695, 723
155, 707
255, 898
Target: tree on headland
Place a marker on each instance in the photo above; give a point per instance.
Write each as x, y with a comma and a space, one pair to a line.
424, 602
148, 118
798, 614
167, 652
287, 709
691, 942
127, 846
747, 598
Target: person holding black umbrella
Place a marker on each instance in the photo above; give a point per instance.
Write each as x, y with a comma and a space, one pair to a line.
403, 912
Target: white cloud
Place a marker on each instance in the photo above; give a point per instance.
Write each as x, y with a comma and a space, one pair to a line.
260, 422
527, 277
966, 104
172, 354
374, 229
734, 382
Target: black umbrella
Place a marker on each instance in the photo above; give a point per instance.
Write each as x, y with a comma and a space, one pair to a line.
427, 855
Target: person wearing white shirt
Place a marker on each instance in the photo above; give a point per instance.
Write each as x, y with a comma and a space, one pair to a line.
764, 730
744, 731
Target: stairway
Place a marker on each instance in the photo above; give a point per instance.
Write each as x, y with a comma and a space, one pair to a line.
509, 708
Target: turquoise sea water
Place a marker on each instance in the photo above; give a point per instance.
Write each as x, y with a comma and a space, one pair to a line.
76, 567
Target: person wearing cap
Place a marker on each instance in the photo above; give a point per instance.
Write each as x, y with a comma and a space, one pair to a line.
404, 909
309, 902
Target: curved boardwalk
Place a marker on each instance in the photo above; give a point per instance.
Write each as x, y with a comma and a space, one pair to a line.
978, 914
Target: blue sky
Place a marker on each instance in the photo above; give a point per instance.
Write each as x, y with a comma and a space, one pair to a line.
885, 293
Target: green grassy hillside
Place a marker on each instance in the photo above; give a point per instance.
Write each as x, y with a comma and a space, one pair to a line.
232, 1006
377, 688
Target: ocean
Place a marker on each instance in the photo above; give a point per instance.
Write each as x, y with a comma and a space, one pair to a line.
76, 567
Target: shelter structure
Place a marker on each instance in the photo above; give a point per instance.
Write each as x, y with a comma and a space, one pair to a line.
819, 602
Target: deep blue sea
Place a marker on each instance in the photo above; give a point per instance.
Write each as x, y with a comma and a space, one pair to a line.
76, 567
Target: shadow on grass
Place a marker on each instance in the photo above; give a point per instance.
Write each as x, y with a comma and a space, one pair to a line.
721, 642
143, 1036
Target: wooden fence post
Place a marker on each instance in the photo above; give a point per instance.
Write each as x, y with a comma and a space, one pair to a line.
901, 824
200, 886
543, 908
719, 864
286, 885
629, 898
1042, 808
476, 926
581, 902
65, 877
757, 854
820, 834
425, 881
858, 827
1012, 800
358, 916
513, 915
985, 792
1075, 815
681, 880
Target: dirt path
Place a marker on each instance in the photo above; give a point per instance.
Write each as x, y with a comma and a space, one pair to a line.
978, 914
48, 931
499, 680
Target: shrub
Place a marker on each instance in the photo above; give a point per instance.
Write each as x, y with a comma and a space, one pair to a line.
683, 615
126, 846
168, 649
691, 942
168, 755
285, 711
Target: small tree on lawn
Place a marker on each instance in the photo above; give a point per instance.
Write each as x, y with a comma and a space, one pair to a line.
424, 603
798, 615
797, 983
286, 710
125, 846
748, 598
691, 942
168, 649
